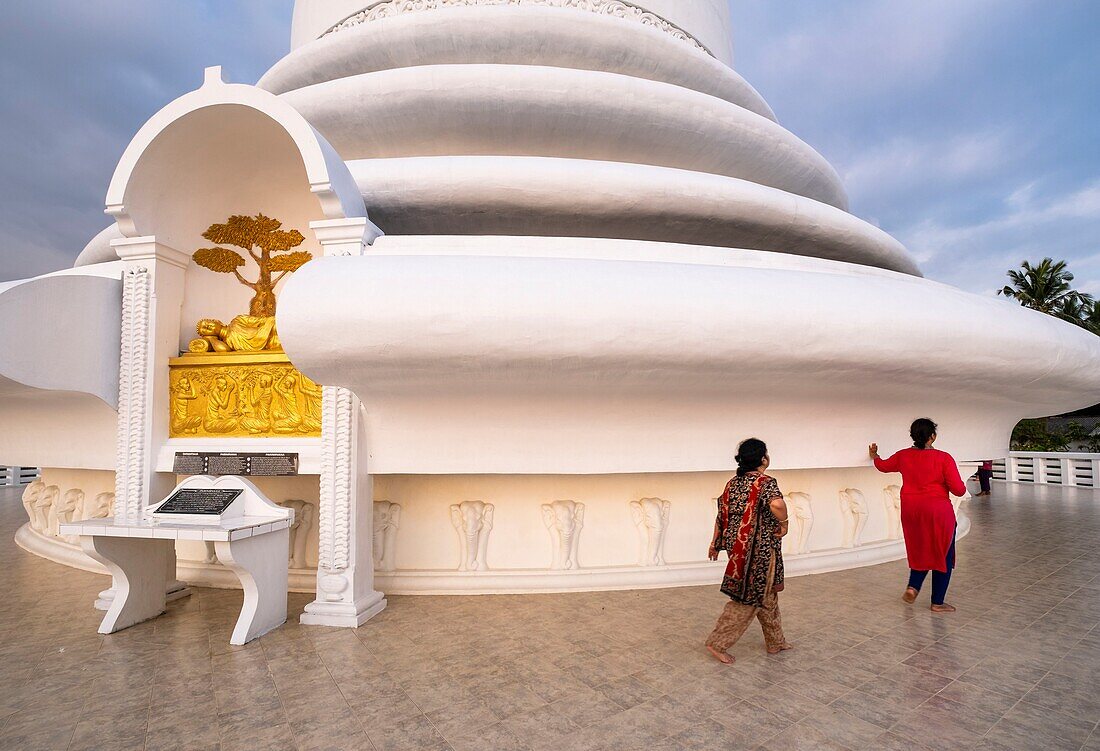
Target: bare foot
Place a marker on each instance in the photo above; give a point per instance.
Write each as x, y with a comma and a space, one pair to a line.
781, 648
945, 608
720, 656
910, 594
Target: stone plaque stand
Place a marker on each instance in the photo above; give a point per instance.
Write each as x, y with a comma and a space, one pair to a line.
250, 537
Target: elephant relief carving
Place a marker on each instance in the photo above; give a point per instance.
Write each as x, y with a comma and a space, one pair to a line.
853, 511
31, 494
299, 531
98, 506
473, 520
68, 510
44, 506
801, 515
564, 520
387, 518
650, 516
893, 511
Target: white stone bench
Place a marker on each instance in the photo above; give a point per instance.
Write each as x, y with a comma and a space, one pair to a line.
251, 540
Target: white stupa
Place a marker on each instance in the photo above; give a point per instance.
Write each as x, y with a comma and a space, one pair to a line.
594, 261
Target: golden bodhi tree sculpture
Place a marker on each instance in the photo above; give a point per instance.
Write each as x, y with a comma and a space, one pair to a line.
267, 243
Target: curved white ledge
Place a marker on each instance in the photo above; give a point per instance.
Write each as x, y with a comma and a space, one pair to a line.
527, 110
65, 336
478, 364
516, 35
569, 198
59, 377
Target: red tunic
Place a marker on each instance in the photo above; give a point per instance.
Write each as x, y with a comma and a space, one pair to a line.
927, 517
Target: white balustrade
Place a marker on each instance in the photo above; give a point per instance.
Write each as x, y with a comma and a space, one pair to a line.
1074, 469
17, 475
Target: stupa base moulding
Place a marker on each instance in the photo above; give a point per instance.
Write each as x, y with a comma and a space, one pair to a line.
522, 581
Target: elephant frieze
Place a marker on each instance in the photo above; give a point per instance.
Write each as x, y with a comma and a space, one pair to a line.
44, 514
299, 531
473, 520
31, 494
387, 518
802, 514
564, 520
853, 511
892, 495
650, 517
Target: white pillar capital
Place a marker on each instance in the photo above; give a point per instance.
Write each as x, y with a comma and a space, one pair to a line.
136, 250
345, 237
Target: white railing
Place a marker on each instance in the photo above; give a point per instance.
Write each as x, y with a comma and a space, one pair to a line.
17, 475
1050, 468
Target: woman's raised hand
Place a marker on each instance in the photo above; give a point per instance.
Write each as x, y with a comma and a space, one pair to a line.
873, 450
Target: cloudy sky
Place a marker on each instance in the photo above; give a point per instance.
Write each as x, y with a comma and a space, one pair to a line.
969, 129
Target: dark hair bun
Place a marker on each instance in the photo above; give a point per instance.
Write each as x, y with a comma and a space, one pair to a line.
750, 455
921, 431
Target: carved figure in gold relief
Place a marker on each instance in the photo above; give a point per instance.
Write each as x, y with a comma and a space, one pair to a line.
255, 402
183, 422
311, 405
286, 416
221, 409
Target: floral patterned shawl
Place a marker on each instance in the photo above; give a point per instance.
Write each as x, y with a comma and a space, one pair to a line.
747, 531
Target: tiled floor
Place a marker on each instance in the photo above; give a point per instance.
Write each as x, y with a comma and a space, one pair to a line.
1015, 668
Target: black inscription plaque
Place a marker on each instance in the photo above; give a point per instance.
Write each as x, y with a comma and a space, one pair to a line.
227, 464
200, 501
270, 464
273, 465
189, 463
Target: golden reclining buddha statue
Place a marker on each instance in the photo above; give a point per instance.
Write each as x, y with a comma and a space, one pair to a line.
246, 333
235, 380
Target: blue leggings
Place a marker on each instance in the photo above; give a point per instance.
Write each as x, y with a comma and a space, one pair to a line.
940, 579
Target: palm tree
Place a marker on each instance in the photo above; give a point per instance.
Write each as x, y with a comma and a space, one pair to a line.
1076, 308
1044, 287
1090, 317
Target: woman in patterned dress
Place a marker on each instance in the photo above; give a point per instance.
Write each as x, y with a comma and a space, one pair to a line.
752, 519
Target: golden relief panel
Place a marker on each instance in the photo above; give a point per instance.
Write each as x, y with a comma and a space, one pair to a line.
245, 394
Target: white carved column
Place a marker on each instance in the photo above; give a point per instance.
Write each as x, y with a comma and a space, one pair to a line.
345, 569
152, 294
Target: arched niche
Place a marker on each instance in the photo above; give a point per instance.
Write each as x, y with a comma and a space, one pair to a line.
221, 150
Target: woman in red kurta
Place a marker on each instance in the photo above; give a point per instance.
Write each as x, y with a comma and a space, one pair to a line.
927, 516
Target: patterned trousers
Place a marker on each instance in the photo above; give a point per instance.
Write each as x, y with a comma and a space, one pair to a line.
737, 616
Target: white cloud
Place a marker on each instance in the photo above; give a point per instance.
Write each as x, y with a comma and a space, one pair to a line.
1063, 225
903, 163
